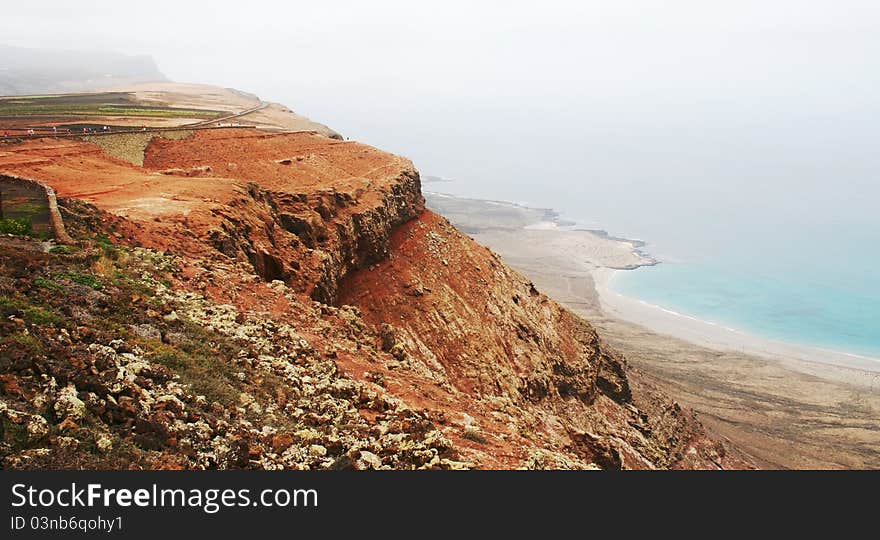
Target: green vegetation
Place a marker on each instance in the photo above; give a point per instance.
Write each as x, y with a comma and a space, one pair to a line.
11, 307
8, 306
101, 241
25, 342
41, 317
18, 227
104, 110
207, 375
24, 97
13, 434
88, 280
21, 227
30, 209
62, 250
47, 284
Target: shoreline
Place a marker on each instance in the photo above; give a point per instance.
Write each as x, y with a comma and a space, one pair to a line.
779, 407
663, 320
715, 335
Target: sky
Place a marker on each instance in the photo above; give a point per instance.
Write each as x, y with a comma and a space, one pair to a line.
622, 113
578, 49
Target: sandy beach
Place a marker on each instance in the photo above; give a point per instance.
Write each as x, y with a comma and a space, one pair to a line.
782, 405
721, 337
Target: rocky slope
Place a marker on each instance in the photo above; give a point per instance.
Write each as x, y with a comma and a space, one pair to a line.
272, 301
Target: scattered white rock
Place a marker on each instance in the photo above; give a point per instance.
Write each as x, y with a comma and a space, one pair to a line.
68, 405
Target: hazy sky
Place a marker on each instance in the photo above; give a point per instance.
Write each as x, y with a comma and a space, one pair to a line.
626, 112
576, 49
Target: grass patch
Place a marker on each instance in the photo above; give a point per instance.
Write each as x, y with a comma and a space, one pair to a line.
30, 313
202, 360
18, 227
41, 317
103, 240
31, 209
107, 247
28, 343
207, 375
15, 435
47, 284
12, 109
21, 227
133, 286
83, 279
62, 250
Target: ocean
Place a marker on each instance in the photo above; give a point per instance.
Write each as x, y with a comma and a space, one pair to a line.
799, 297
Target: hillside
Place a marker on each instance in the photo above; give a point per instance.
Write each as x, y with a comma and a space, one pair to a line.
147, 106
247, 299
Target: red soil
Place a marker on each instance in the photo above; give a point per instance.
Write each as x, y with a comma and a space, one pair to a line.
448, 328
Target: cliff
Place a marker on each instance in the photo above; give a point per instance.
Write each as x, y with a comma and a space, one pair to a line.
284, 300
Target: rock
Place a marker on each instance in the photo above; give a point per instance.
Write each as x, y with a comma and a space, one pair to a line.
35, 425
37, 428
281, 442
387, 334
68, 424
104, 443
146, 331
368, 460
127, 404
67, 442
458, 340
170, 403
68, 405
472, 432
343, 463
398, 352
138, 368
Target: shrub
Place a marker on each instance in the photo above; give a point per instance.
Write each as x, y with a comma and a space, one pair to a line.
41, 317
207, 375
25, 342
83, 279
31, 313
18, 227
47, 284
62, 250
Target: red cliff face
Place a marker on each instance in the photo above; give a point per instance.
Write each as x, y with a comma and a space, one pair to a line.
363, 331
536, 380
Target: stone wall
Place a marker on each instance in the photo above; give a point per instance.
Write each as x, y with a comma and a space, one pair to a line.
55, 221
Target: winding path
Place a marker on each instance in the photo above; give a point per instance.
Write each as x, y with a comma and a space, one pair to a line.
204, 123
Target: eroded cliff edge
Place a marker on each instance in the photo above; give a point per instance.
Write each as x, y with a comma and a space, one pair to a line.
284, 300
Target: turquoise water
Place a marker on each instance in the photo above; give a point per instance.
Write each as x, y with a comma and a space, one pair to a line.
822, 291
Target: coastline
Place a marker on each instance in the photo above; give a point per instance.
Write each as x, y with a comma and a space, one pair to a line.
606, 255
782, 406
714, 335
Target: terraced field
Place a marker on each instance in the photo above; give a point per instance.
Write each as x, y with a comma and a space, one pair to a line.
103, 104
